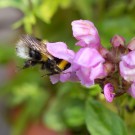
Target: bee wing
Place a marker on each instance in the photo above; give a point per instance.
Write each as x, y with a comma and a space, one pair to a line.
36, 44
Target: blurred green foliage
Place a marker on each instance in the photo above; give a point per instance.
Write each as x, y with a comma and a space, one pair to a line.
68, 105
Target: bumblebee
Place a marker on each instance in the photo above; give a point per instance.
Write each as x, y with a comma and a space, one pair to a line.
34, 51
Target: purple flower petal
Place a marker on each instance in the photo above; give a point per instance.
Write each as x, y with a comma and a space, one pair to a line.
98, 72
88, 57
86, 33
127, 66
54, 78
67, 75
131, 44
129, 59
60, 50
131, 90
64, 77
108, 92
83, 75
127, 73
83, 27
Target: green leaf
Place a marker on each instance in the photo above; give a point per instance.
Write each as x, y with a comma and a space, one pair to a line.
47, 9
17, 24
131, 5
84, 7
4, 58
110, 27
94, 90
29, 20
65, 3
26, 92
52, 118
65, 110
73, 113
13, 3
116, 9
100, 120
36, 100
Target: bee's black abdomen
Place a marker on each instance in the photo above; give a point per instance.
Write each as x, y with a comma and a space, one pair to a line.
34, 54
57, 60
51, 66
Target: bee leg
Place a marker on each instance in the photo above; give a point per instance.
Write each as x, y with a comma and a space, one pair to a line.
29, 63
49, 74
43, 66
44, 75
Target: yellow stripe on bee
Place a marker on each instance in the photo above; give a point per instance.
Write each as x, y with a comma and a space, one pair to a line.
44, 41
62, 64
44, 57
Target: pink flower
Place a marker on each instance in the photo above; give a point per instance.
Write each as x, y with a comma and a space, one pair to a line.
117, 40
67, 75
86, 33
84, 76
89, 65
88, 57
98, 72
60, 50
108, 92
127, 66
131, 90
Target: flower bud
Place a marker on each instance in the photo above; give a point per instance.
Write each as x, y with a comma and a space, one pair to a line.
131, 44
86, 33
117, 40
108, 92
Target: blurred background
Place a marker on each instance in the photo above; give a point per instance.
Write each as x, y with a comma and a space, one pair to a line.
29, 103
